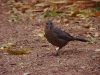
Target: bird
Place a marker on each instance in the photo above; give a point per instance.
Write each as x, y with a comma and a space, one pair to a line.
58, 37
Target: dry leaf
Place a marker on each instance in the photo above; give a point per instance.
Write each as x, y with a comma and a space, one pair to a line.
28, 73
74, 13
97, 13
6, 45
65, 21
16, 52
59, 2
44, 4
58, 21
51, 13
85, 4
97, 50
96, 34
8, 12
41, 35
87, 26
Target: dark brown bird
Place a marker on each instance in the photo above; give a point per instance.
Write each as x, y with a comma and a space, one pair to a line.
57, 37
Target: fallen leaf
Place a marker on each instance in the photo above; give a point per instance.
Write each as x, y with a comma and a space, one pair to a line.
86, 13
14, 10
8, 12
44, 4
58, 21
87, 26
97, 34
90, 42
59, 2
66, 24
74, 13
41, 35
51, 13
65, 20
6, 45
16, 52
97, 13
92, 29
85, 4
28, 73
97, 50
10, 20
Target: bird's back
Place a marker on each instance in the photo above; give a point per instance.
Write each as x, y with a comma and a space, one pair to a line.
62, 34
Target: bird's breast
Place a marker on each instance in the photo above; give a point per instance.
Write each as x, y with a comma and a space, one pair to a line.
55, 40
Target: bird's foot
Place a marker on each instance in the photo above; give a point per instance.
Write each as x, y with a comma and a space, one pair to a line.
56, 54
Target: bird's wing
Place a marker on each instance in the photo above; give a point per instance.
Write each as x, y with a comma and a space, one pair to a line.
62, 34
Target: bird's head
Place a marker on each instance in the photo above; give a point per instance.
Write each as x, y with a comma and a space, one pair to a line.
49, 25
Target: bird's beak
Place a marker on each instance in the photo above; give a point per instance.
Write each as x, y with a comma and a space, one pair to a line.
48, 27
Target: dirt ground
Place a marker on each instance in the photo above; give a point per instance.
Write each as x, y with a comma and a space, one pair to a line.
76, 58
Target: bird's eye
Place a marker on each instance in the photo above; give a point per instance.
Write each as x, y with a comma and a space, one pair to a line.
50, 23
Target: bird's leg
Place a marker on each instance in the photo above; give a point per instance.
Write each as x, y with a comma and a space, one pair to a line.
57, 53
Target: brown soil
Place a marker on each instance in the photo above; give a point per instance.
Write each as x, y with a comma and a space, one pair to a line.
76, 58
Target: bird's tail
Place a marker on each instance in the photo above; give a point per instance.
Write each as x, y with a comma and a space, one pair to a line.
82, 40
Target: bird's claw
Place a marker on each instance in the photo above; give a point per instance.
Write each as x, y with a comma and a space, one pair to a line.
55, 54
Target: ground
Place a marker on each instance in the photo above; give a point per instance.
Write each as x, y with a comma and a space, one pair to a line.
76, 58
